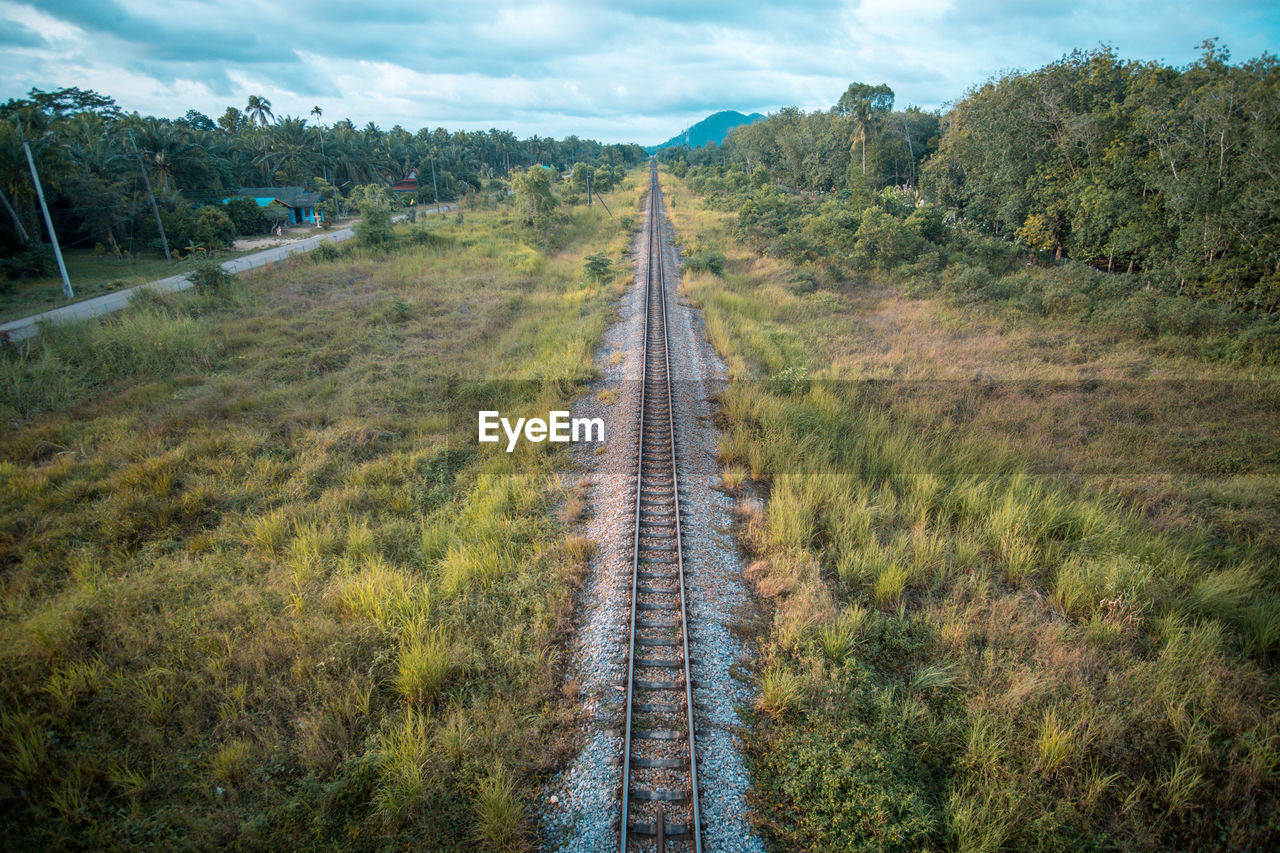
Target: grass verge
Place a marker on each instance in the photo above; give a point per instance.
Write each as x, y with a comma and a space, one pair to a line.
1022, 579
91, 275
261, 587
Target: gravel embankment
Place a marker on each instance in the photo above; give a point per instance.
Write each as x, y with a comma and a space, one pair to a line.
585, 810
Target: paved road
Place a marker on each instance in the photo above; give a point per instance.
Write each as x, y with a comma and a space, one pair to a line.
17, 330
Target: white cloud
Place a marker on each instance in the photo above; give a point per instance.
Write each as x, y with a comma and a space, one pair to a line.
551, 67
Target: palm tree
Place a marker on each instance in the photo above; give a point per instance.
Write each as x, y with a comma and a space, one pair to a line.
99, 181
258, 110
317, 112
290, 151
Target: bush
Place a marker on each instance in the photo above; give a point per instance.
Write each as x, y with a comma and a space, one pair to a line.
790, 380
926, 222
245, 216
374, 202
803, 282
966, 280
210, 277
848, 780
422, 237
882, 241
706, 260
33, 262
1131, 317
326, 250
213, 228
1258, 343
598, 267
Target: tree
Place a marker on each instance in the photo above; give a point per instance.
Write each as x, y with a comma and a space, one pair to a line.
258, 110
865, 105
535, 200
374, 203
232, 120
197, 120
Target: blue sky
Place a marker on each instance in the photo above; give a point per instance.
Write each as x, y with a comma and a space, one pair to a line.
615, 71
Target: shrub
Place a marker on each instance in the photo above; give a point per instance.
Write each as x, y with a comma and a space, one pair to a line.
790, 380
35, 261
1258, 343
706, 260
210, 277
926, 222
1131, 317
374, 228
803, 282
848, 784
598, 267
245, 215
213, 228
882, 241
326, 250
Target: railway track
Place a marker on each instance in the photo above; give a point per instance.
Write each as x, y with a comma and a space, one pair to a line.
659, 788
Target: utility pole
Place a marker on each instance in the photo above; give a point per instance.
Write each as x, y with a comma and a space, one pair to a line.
48, 220
588, 189
435, 188
154, 207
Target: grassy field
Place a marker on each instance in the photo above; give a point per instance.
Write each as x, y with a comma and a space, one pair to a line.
1021, 578
261, 587
91, 275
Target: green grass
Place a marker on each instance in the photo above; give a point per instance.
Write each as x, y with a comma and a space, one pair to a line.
262, 588
91, 275
1060, 550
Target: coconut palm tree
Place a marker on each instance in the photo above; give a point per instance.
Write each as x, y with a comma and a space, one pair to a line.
290, 152
259, 110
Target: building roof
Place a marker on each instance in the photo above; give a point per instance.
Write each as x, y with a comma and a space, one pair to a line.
292, 196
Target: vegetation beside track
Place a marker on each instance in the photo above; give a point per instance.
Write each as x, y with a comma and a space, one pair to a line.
260, 588
1021, 577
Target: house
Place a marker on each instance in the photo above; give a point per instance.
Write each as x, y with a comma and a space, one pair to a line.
408, 185
300, 203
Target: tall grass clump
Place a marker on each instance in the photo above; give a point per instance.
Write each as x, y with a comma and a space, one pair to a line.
423, 667
71, 360
498, 810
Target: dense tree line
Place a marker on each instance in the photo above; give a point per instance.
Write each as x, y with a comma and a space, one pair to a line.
1165, 177
84, 147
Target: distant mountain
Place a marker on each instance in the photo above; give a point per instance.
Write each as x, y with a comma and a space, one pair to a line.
713, 128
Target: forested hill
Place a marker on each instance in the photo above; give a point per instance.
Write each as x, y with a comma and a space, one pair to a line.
713, 128
1162, 179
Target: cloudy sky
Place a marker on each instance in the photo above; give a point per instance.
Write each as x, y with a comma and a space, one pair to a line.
615, 71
